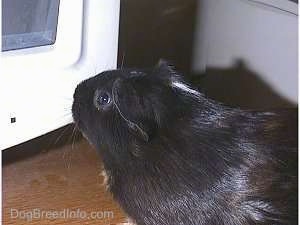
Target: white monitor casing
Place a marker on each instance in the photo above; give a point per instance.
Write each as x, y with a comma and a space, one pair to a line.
37, 84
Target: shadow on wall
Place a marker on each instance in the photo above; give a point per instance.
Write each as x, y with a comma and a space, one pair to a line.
150, 30
239, 86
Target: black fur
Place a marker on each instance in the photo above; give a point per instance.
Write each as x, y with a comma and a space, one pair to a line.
179, 158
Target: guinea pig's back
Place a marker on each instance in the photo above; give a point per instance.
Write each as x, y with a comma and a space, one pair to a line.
274, 174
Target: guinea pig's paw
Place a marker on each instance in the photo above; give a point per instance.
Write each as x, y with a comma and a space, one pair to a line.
128, 222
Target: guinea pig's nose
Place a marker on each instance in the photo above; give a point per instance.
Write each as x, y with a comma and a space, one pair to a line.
80, 92
75, 110
76, 103
76, 92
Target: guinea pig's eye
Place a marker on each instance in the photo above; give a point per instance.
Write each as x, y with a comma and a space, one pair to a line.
102, 99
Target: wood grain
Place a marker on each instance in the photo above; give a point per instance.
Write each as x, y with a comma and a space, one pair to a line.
61, 178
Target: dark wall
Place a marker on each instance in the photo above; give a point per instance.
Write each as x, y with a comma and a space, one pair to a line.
150, 30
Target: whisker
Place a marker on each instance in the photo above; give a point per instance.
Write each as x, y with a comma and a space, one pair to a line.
73, 144
69, 161
61, 134
67, 108
66, 114
123, 60
73, 136
67, 155
57, 137
66, 98
68, 149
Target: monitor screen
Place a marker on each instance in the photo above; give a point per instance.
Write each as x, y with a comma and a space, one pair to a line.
28, 23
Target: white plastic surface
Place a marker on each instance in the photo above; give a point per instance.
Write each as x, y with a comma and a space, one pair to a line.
37, 84
262, 33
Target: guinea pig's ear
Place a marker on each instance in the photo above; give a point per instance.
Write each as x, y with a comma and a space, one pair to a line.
165, 67
166, 72
129, 106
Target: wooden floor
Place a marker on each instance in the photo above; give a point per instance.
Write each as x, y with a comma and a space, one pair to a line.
56, 181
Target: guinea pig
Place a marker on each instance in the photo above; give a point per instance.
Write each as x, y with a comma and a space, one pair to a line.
175, 157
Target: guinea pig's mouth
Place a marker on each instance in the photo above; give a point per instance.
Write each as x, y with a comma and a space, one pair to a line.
78, 123
76, 114
80, 126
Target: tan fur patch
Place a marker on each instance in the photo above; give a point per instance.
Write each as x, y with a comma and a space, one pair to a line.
128, 222
105, 176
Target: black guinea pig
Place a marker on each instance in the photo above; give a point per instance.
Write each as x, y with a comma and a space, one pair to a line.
174, 157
